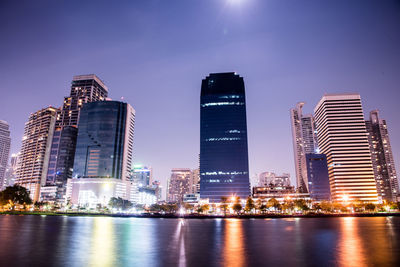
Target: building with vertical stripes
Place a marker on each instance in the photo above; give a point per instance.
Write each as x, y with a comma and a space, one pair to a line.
343, 138
304, 142
382, 157
35, 151
5, 143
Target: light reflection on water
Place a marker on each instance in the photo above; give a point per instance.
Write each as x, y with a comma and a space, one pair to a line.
106, 241
233, 247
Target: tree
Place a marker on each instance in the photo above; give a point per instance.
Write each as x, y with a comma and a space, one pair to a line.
224, 204
120, 203
188, 207
288, 205
205, 207
301, 204
237, 206
273, 203
370, 207
15, 194
316, 206
326, 206
249, 205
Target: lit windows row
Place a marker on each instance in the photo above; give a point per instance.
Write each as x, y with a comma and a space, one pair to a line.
223, 173
223, 104
222, 139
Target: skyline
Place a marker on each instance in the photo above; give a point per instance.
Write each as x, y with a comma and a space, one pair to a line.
270, 145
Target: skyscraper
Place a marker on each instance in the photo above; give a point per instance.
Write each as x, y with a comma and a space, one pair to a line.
35, 150
104, 150
343, 138
84, 89
304, 141
5, 142
179, 184
318, 177
382, 157
224, 165
142, 175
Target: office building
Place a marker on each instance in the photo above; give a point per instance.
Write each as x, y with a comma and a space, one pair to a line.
382, 157
343, 138
104, 151
5, 143
178, 184
270, 178
224, 165
143, 175
84, 89
35, 151
304, 141
318, 177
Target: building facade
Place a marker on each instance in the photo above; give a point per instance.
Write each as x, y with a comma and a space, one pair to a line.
143, 175
179, 184
104, 147
5, 143
224, 165
343, 138
35, 151
11, 172
270, 178
304, 141
84, 89
318, 177
382, 157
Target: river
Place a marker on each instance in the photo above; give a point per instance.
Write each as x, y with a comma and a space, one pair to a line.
110, 241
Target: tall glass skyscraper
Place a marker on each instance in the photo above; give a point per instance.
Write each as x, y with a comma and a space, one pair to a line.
224, 165
105, 141
84, 89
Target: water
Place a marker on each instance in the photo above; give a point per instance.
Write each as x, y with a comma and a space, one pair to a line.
107, 241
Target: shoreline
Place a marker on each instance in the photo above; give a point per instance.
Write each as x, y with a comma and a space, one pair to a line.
200, 216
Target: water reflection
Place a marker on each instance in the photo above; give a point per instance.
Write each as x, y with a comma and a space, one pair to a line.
233, 253
350, 244
102, 245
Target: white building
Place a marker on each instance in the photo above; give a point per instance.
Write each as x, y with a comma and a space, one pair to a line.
343, 138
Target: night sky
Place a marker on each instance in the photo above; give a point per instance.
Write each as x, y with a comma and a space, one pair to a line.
154, 54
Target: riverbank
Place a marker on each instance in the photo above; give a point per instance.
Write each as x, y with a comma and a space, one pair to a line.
204, 216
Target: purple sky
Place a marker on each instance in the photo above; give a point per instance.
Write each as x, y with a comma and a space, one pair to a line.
155, 54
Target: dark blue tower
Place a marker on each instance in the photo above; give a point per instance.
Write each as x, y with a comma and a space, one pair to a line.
318, 177
224, 164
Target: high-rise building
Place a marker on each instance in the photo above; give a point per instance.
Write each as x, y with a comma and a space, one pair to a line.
5, 143
103, 153
270, 178
224, 165
84, 89
195, 183
179, 184
35, 151
11, 172
318, 177
343, 138
304, 141
382, 157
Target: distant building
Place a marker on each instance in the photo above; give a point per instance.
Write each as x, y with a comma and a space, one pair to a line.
147, 196
224, 165
5, 143
270, 178
84, 89
11, 172
318, 177
156, 185
343, 138
304, 141
382, 157
35, 151
280, 193
195, 183
143, 175
179, 184
104, 152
